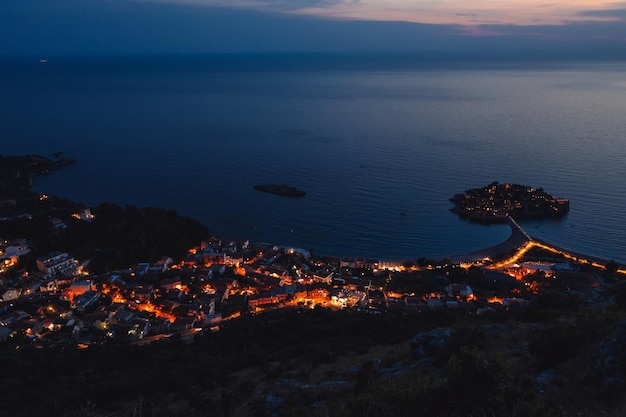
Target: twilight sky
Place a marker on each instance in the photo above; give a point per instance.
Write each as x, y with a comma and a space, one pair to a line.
170, 26
466, 12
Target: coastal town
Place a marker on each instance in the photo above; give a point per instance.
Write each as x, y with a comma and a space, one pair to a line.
53, 299
57, 302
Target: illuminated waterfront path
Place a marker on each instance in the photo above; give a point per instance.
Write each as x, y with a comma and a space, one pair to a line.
521, 242
518, 239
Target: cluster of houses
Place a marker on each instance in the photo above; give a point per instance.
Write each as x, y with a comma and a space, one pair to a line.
59, 303
10, 252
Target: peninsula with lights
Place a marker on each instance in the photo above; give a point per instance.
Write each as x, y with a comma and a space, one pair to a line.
496, 202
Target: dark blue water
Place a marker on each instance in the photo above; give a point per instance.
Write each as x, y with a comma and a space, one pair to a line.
367, 138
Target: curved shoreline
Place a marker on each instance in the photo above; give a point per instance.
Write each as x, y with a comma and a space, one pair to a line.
516, 241
518, 238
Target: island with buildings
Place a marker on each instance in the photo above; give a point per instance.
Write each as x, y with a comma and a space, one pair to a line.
113, 310
495, 202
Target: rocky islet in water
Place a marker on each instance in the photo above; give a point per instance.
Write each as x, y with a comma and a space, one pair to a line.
280, 189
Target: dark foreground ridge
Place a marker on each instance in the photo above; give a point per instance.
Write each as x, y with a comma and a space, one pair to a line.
493, 203
280, 189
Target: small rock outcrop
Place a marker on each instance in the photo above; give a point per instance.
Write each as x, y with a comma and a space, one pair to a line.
429, 343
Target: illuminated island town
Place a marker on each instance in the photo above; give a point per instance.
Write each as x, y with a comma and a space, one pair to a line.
286, 328
495, 202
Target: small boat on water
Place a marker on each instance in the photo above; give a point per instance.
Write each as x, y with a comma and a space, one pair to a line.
280, 189
43, 61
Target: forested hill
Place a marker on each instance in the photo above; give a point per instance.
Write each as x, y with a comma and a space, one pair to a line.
116, 238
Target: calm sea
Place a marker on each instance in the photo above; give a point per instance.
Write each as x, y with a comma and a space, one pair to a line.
367, 137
